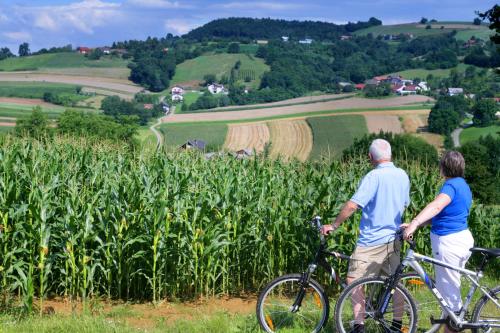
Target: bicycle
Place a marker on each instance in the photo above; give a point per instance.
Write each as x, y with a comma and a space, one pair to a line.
378, 296
298, 303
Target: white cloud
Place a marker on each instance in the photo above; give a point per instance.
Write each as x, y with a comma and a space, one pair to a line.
18, 36
156, 3
179, 26
261, 5
83, 16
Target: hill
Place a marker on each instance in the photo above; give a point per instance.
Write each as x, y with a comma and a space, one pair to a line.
464, 30
250, 28
191, 72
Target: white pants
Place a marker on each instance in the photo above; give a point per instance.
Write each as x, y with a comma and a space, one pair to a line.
454, 250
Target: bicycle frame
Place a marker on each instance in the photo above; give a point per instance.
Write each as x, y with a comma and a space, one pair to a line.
412, 260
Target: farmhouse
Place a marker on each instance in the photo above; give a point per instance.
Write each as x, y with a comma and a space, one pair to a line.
215, 88
177, 90
423, 86
105, 50
455, 91
360, 86
177, 98
194, 144
83, 50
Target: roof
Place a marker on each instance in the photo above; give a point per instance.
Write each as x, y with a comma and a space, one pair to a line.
380, 78
396, 87
360, 86
371, 81
195, 143
456, 90
83, 48
410, 87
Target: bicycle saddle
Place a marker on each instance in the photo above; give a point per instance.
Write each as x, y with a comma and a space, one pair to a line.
486, 252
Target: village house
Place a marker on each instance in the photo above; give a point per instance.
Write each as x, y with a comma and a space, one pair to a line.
119, 51
262, 42
455, 91
305, 41
345, 37
360, 86
423, 86
83, 50
194, 144
177, 90
177, 98
285, 38
215, 88
106, 50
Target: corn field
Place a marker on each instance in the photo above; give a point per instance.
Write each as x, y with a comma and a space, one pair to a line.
83, 220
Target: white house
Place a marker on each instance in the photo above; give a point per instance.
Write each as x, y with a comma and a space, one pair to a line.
423, 86
455, 91
285, 38
305, 41
177, 90
177, 98
215, 88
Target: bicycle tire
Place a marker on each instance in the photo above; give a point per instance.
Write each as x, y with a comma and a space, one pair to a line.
493, 310
301, 321
373, 289
421, 295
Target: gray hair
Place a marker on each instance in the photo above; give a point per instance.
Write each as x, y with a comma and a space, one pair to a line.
380, 149
452, 164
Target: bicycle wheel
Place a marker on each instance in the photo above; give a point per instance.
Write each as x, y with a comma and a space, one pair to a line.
488, 312
358, 304
275, 305
426, 302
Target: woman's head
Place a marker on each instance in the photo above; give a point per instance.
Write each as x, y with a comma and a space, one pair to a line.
452, 164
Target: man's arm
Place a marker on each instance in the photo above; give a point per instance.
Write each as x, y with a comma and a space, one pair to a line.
347, 210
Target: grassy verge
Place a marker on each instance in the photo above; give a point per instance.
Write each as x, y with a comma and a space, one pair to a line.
331, 135
177, 134
474, 133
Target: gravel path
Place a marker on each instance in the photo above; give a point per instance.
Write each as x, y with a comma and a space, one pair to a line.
455, 135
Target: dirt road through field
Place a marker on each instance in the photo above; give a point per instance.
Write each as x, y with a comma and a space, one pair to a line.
350, 103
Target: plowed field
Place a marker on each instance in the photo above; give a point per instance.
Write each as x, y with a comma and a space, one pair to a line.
291, 139
252, 136
379, 123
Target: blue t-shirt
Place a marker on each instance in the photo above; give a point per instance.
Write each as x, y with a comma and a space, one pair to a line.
383, 195
453, 218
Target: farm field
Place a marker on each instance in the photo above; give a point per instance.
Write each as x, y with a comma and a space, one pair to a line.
59, 60
378, 123
422, 73
189, 98
191, 72
419, 29
291, 139
177, 134
340, 105
474, 133
34, 89
331, 135
253, 136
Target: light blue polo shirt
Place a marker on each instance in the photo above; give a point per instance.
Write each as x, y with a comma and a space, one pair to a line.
383, 194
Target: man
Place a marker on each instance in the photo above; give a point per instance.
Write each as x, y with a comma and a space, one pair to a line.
383, 194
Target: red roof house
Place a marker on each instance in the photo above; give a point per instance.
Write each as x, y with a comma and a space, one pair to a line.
360, 86
83, 50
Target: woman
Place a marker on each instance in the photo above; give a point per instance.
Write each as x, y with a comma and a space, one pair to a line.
450, 237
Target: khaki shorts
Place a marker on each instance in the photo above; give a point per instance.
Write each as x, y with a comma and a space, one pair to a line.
374, 260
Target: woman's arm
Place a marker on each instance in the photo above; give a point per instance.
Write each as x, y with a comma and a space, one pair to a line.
424, 217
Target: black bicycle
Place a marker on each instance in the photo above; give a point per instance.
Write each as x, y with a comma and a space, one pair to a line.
298, 303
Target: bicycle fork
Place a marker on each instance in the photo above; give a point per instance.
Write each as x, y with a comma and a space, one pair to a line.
304, 282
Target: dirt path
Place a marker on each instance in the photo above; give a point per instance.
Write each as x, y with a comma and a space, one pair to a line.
291, 139
455, 135
247, 136
377, 123
350, 103
97, 82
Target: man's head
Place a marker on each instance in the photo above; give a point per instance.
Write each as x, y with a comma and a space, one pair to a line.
380, 151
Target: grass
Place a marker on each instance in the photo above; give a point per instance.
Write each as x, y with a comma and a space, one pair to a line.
473, 133
417, 30
218, 64
249, 48
331, 135
422, 73
34, 89
189, 98
59, 60
177, 134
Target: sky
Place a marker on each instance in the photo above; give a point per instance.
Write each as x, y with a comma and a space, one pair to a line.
47, 23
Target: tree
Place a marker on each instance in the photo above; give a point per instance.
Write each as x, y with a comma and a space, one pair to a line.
423, 20
209, 79
484, 112
443, 118
96, 54
24, 50
493, 16
477, 21
233, 48
5, 53
35, 125
428, 26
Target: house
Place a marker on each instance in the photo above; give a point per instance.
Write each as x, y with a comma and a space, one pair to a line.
194, 144
423, 86
165, 49
215, 88
305, 41
148, 106
395, 79
243, 153
372, 82
285, 38
380, 78
401, 89
345, 37
262, 42
119, 51
177, 90
360, 86
165, 107
105, 50
83, 50
177, 98
455, 91
345, 84
470, 43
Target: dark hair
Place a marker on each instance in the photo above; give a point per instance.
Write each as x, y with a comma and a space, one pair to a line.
452, 164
